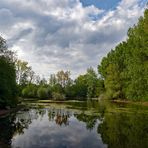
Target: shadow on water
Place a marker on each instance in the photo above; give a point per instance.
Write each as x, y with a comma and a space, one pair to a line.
79, 124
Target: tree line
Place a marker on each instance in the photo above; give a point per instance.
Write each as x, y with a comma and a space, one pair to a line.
8, 86
122, 74
17, 79
125, 69
59, 86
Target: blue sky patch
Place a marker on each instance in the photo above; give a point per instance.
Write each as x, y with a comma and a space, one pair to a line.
101, 4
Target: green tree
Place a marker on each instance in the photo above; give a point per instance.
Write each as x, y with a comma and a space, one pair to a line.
63, 78
113, 82
24, 73
80, 87
137, 60
125, 69
43, 93
91, 81
30, 91
52, 80
99, 89
8, 88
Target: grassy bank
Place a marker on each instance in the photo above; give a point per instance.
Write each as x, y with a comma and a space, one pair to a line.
144, 103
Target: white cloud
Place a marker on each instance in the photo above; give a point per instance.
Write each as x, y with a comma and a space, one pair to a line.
53, 35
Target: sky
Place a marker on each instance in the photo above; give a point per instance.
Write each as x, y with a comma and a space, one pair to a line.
52, 35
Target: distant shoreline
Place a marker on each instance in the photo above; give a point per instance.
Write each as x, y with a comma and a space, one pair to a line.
5, 112
144, 103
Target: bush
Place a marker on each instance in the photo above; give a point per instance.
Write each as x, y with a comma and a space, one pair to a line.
30, 91
58, 96
43, 93
49, 91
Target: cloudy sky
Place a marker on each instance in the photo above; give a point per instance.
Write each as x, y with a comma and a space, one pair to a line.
66, 34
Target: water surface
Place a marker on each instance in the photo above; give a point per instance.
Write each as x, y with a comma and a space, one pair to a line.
89, 124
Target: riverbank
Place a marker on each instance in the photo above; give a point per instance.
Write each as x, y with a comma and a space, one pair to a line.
144, 103
51, 101
5, 112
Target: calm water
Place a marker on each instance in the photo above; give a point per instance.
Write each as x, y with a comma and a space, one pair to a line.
76, 125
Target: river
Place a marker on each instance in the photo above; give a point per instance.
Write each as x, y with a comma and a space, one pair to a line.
91, 124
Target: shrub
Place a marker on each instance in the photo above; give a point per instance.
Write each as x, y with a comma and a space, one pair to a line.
30, 91
49, 91
58, 96
42, 93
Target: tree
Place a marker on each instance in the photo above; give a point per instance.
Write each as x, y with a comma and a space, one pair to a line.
52, 80
42, 93
125, 69
113, 82
24, 73
63, 77
80, 87
100, 88
30, 91
4, 52
91, 81
8, 89
137, 63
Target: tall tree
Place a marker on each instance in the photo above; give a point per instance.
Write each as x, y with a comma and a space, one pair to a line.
91, 81
52, 79
63, 77
8, 89
125, 69
24, 73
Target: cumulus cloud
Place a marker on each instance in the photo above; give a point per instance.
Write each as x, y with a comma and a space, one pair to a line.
53, 35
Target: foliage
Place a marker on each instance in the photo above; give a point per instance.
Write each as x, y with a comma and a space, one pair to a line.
58, 96
8, 88
91, 81
57, 88
70, 91
24, 73
30, 91
63, 77
123, 74
125, 69
80, 87
99, 89
42, 93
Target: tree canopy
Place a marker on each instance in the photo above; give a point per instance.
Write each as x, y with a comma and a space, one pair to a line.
8, 88
125, 69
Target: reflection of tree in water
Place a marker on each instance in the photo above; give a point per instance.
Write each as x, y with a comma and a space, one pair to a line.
90, 120
36, 113
60, 116
98, 106
121, 130
7, 128
23, 120
16, 124
61, 119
